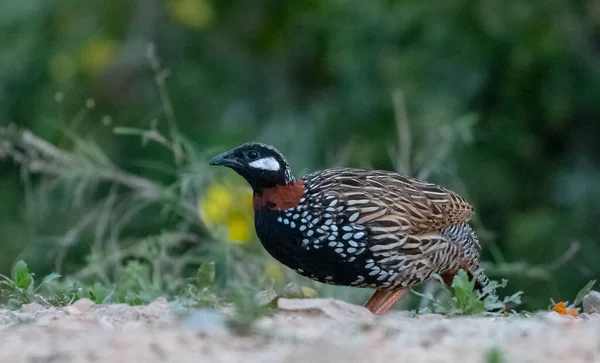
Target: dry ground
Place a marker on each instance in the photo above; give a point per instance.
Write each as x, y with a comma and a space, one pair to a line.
314, 331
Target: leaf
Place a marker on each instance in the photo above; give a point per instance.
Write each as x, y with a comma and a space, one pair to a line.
205, 276
514, 298
583, 292
292, 291
48, 278
97, 293
465, 294
265, 297
7, 281
309, 293
21, 276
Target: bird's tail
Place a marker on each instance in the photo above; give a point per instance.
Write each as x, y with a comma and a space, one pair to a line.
481, 279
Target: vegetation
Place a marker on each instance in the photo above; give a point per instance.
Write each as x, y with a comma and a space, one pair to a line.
108, 116
465, 300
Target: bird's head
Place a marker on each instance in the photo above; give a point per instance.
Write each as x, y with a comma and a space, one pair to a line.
263, 166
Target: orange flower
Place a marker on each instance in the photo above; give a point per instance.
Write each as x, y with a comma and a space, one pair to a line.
561, 308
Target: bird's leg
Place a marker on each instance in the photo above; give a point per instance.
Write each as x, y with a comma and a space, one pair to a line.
383, 300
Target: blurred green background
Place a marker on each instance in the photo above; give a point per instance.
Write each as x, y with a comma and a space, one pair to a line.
498, 100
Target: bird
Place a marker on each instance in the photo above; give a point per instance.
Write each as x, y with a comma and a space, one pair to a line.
363, 228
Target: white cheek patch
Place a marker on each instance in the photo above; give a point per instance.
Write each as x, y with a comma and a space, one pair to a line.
266, 164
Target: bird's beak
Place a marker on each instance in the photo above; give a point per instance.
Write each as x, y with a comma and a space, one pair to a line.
225, 159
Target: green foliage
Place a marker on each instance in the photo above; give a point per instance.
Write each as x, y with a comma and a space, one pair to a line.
464, 299
246, 309
20, 288
202, 290
583, 292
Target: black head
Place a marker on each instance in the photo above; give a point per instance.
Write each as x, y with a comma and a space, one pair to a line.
261, 165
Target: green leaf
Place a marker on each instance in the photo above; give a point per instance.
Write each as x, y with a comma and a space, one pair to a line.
309, 293
466, 296
266, 297
48, 278
205, 276
98, 293
21, 276
292, 291
7, 281
581, 294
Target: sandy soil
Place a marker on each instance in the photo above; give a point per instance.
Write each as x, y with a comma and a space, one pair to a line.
316, 330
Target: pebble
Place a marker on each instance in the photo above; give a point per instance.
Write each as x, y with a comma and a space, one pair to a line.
205, 320
31, 308
83, 304
591, 302
334, 309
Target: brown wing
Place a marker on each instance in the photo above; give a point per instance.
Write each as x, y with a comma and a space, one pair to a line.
404, 218
392, 201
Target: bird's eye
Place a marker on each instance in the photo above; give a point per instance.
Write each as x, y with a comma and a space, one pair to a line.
252, 155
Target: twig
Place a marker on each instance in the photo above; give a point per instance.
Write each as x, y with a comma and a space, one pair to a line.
160, 77
29, 139
113, 174
542, 272
565, 257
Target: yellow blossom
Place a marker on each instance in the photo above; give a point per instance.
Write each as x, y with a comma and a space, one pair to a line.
229, 207
216, 204
197, 14
239, 229
97, 55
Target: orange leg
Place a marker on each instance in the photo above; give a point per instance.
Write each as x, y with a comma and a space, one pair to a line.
382, 301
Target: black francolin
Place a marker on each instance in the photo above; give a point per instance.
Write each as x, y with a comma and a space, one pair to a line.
354, 227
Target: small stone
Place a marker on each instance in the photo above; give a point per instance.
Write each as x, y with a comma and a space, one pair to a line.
31, 308
334, 309
591, 302
555, 317
105, 324
160, 302
83, 304
205, 320
432, 316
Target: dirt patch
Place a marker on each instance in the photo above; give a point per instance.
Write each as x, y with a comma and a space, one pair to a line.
309, 330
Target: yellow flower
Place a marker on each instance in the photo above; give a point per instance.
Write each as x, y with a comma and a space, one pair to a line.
97, 55
216, 204
229, 207
197, 14
239, 229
